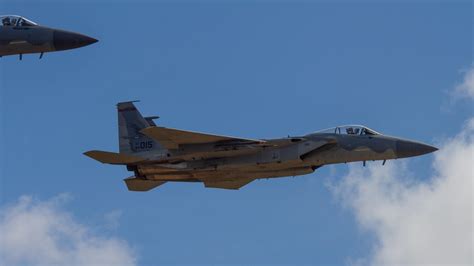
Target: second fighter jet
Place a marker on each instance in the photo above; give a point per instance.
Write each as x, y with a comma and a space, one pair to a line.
19, 36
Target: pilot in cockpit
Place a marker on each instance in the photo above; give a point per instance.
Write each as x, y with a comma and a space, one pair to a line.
6, 21
352, 131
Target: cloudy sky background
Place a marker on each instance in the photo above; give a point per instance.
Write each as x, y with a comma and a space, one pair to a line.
254, 70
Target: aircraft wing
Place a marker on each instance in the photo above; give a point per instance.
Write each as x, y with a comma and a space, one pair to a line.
171, 138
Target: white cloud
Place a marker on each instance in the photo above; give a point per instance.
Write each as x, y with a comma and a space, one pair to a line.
466, 88
34, 232
417, 222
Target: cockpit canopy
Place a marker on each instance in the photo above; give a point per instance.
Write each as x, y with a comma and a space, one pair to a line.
16, 21
349, 130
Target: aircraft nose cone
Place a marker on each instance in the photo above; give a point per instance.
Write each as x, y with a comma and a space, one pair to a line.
64, 40
410, 148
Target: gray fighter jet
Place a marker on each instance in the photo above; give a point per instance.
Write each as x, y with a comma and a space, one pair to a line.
19, 35
158, 154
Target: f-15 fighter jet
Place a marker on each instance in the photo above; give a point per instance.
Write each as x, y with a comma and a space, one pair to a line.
158, 154
19, 35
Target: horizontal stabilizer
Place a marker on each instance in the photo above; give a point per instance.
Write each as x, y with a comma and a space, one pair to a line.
228, 184
113, 157
138, 184
171, 138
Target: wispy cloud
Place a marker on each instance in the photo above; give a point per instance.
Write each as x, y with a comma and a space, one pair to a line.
34, 232
466, 87
418, 222
112, 219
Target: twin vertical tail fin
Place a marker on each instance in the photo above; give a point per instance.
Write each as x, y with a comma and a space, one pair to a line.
131, 122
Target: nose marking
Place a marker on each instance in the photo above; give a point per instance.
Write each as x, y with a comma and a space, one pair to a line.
363, 148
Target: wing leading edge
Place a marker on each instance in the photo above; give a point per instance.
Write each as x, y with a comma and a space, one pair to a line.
171, 138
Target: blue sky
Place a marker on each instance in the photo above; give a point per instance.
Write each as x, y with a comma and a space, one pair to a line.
257, 70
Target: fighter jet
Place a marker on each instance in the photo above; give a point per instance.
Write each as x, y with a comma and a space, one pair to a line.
159, 154
19, 35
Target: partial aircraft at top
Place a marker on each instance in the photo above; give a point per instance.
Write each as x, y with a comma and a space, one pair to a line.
19, 35
158, 154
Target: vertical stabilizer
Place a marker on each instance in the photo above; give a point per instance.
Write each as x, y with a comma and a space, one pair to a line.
130, 123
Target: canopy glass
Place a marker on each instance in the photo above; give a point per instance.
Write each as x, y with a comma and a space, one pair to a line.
16, 21
349, 130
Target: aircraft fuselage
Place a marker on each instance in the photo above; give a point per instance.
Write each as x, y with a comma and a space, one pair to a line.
298, 158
